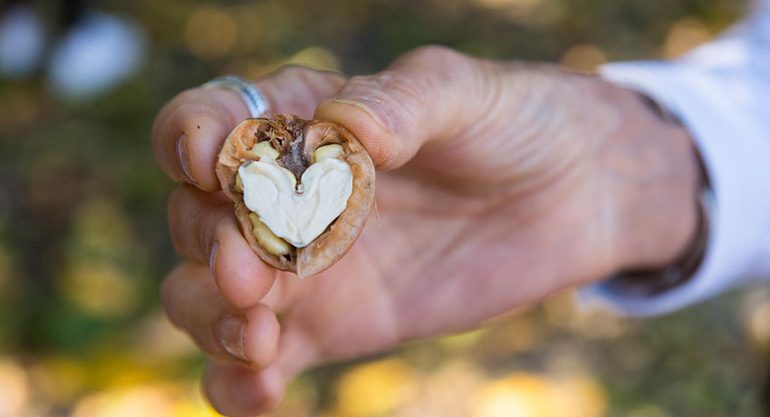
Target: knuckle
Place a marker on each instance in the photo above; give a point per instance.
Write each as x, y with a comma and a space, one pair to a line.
334, 79
433, 54
309, 77
296, 89
403, 97
320, 83
187, 96
398, 95
398, 99
440, 68
293, 71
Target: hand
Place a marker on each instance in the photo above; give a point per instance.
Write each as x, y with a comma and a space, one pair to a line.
498, 184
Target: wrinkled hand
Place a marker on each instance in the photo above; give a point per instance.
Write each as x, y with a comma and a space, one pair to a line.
498, 184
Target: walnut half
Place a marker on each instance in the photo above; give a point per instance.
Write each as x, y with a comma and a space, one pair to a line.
302, 189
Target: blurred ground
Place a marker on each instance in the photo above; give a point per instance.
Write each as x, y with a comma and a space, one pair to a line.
84, 244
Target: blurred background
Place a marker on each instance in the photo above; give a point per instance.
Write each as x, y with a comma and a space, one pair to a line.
84, 241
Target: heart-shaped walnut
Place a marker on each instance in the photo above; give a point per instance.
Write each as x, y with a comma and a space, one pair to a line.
301, 226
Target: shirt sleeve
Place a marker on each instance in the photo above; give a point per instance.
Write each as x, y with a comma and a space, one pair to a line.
721, 93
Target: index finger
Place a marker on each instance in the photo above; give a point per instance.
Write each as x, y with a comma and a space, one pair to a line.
189, 130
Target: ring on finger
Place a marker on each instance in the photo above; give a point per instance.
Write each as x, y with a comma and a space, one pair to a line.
250, 94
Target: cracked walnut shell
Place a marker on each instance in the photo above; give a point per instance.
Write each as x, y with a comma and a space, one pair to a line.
302, 189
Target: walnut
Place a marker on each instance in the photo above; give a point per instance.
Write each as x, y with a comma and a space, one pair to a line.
302, 189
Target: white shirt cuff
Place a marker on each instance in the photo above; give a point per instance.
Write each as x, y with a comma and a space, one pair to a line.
722, 111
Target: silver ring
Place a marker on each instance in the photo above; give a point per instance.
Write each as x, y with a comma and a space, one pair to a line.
250, 94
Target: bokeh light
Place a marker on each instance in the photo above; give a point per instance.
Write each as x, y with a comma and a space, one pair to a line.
14, 388
584, 58
210, 33
375, 388
60, 380
527, 395
141, 401
100, 258
316, 57
685, 35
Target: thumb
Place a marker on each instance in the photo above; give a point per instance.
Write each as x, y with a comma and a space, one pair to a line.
428, 95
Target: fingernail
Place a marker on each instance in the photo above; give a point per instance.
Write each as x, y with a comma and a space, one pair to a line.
213, 257
229, 334
373, 108
183, 155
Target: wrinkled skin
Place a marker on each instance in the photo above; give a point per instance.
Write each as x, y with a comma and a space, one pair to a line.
500, 184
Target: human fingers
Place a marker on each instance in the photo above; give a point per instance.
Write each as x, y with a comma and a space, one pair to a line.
429, 94
235, 391
238, 392
188, 131
204, 229
193, 303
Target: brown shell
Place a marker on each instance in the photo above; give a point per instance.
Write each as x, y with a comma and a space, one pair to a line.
296, 139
